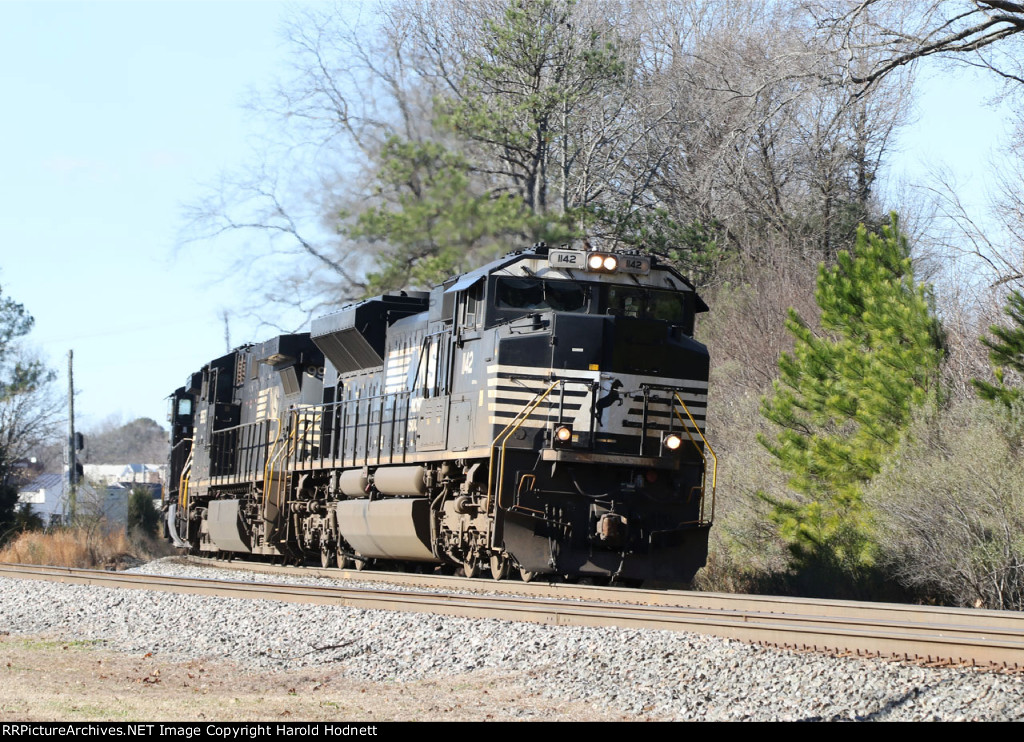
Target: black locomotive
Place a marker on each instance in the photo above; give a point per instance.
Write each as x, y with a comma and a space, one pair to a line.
541, 415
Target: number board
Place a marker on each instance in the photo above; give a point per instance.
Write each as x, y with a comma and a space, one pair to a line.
567, 259
634, 264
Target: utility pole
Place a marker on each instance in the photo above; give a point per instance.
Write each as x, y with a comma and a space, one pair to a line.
72, 458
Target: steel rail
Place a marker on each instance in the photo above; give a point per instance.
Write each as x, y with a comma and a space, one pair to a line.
867, 629
928, 615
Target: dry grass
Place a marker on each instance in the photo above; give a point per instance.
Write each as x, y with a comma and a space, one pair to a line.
80, 547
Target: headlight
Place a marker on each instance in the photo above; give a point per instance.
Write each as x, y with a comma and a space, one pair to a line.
671, 442
563, 434
602, 262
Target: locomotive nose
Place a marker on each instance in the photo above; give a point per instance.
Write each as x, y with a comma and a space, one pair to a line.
578, 342
620, 344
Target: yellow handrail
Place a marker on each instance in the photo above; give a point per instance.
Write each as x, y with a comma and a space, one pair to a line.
268, 465
714, 468
183, 479
508, 430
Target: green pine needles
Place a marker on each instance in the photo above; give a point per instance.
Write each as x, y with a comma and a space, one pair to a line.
1006, 350
434, 223
845, 396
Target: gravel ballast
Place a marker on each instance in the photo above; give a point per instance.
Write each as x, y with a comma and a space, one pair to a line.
649, 674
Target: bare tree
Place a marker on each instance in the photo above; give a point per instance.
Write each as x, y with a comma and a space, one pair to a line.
284, 245
29, 408
983, 245
348, 86
771, 145
698, 128
882, 36
140, 441
977, 252
29, 418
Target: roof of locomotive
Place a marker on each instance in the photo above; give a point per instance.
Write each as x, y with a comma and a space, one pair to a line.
541, 250
465, 280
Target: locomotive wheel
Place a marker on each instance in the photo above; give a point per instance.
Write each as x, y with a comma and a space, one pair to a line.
361, 564
344, 560
527, 576
471, 567
501, 567
326, 558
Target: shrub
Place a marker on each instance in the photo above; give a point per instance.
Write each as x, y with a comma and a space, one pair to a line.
950, 507
143, 517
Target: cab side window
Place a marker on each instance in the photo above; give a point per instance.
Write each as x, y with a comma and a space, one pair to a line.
472, 306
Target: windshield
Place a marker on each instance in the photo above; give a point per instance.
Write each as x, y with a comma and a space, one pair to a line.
640, 302
535, 293
644, 303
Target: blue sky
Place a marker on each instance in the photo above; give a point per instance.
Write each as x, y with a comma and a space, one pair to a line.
116, 114
954, 125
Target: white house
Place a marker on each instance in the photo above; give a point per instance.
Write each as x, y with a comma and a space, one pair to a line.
125, 473
47, 496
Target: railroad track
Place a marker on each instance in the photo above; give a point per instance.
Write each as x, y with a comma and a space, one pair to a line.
931, 635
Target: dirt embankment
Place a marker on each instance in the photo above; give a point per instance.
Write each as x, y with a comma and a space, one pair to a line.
49, 680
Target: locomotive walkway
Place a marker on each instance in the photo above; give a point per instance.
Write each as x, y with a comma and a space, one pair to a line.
932, 635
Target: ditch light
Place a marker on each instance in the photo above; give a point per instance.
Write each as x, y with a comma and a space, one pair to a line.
563, 435
671, 442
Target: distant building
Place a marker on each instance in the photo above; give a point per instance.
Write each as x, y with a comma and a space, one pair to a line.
25, 470
126, 473
115, 504
47, 496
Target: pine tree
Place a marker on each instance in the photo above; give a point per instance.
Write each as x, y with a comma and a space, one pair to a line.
845, 395
434, 221
525, 93
1006, 350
